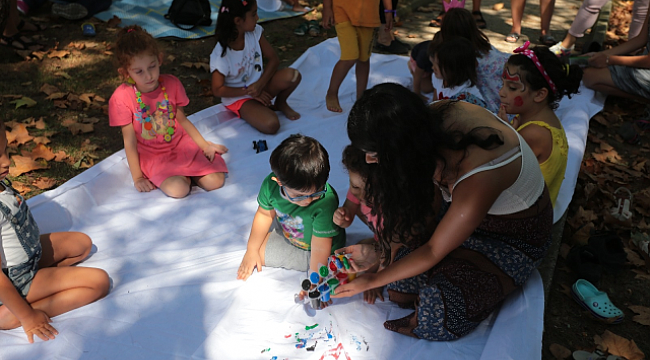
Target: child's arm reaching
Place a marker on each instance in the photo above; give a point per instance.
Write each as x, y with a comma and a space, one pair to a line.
141, 183
344, 215
34, 322
417, 80
209, 148
259, 232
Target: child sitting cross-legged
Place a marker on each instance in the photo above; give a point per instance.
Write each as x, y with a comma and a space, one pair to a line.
293, 227
38, 280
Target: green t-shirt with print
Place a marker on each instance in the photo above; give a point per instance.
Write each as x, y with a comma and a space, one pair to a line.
300, 223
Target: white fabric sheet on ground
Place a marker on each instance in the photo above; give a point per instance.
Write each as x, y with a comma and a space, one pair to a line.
173, 262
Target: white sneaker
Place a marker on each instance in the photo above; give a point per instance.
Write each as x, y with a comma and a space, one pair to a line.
70, 11
561, 51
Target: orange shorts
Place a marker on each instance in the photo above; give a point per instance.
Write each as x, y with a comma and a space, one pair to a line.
236, 106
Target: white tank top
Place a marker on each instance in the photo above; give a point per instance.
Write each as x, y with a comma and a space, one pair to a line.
524, 192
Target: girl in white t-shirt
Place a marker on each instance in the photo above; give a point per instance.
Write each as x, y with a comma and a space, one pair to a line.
454, 69
238, 73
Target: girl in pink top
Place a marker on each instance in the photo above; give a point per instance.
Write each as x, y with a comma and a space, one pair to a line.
163, 148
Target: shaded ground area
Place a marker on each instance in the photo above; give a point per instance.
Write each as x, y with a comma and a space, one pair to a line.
65, 129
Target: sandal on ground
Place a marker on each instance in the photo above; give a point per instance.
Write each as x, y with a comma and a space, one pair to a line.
18, 42
301, 30
547, 40
640, 243
596, 302
623, 198
437, 22
480, 21
513, 37
88, 29
22, 23
596, 355
314, 28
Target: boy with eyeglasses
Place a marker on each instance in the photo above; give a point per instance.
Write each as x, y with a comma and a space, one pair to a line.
297, 204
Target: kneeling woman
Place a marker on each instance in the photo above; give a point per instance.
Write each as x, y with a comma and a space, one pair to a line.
491, 231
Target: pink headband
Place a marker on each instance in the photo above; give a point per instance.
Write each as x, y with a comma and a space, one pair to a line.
128, 31
531, 55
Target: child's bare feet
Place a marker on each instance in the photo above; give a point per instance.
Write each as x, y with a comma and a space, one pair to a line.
332, 103
289, 112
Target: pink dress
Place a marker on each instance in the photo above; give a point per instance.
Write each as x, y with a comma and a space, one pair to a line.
164, 148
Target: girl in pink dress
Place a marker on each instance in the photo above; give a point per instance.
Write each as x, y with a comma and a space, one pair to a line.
163, 148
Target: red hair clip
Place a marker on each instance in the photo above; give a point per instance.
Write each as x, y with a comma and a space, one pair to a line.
244, 2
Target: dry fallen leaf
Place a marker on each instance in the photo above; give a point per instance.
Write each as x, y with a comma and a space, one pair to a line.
87, 146
114, 22
23, 164
48, 89
58, 54
559, 351
20, 187
497, 6
18, 134
56, 96
41, 152
77, 128
86, 98
40, 124
60, 156
42, 140
641, 275
644, 314
63, 74
44, 183
618, 345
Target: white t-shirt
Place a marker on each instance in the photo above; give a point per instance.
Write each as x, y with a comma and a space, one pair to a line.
240, 67
11, 250
447, 93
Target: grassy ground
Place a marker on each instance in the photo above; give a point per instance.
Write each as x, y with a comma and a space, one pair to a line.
77, 66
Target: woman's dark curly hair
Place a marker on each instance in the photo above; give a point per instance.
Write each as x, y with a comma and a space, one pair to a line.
410, 140
565, 77
226, 31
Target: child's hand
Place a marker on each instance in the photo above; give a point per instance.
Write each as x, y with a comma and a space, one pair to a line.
251, 261
265, 98
38, 323
503, 115
254, 89
599, 60
212, 149
371, 295
342, 218
328, 17
144, 185
389, 21
303, 294
361, 257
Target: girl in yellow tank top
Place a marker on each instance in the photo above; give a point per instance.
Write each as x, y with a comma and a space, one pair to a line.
534, 81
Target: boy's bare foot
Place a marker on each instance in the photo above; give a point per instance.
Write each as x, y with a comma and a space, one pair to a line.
290, 113
332, 103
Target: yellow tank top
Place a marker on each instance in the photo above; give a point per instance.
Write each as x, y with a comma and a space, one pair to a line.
553, 168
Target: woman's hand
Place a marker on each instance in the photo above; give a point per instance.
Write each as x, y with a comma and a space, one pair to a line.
599, 60
38, 323
212, 149
360, 256
250, 261
356, 286
144, 185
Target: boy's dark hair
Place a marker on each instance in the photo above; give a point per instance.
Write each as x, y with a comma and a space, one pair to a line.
131, 42
456, 61
565, 77
301, 163
461, 22
354, 160
225, 30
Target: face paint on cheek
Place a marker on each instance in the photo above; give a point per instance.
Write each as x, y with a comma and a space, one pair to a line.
519, 101
507, 76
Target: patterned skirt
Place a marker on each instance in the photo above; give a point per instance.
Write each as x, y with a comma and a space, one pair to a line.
452, 298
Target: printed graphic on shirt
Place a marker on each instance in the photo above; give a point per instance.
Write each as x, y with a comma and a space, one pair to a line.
251, 62
159, 122
293, 229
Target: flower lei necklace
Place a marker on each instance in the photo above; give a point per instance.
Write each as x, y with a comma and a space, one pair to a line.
168, 128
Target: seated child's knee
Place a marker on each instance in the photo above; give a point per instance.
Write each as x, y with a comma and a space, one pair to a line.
216, 181
177, 192
270, 126
102, 282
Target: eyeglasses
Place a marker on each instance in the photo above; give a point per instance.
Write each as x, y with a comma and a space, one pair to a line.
303, 197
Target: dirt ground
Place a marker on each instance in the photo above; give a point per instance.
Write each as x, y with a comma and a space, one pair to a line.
79, 66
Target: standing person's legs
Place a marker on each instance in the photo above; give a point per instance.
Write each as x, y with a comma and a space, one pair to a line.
11, 33
639, 13
478, 16
349, 44
365, 38
386, 41
546, 12
586, 17
517, 11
